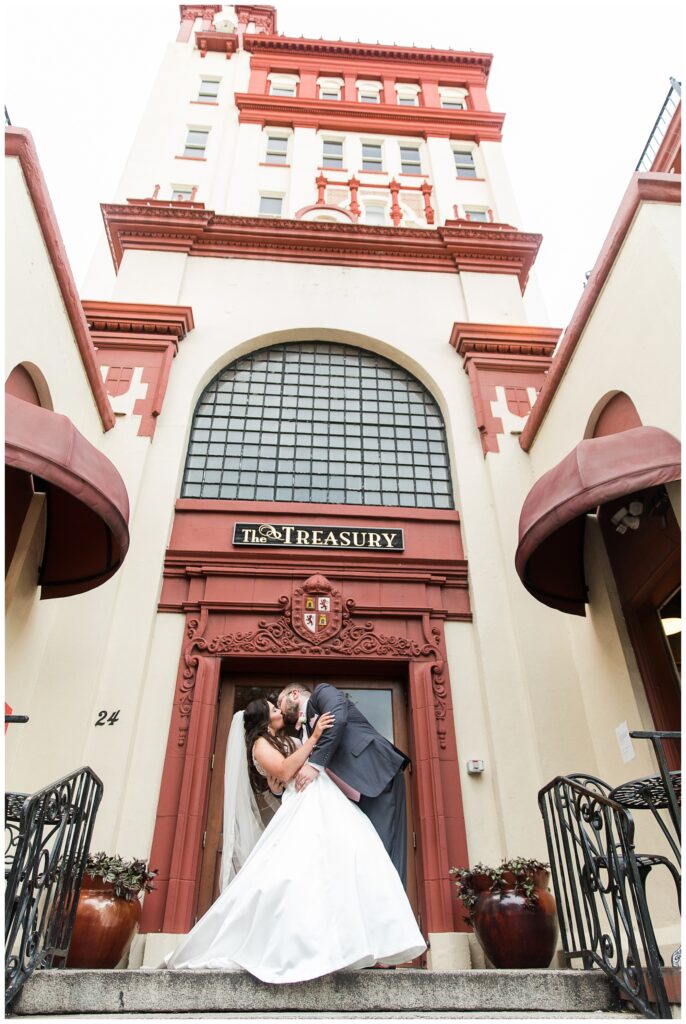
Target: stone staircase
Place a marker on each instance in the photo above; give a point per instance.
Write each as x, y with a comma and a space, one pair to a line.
378, 994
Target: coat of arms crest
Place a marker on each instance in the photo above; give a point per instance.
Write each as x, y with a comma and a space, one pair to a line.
317, 610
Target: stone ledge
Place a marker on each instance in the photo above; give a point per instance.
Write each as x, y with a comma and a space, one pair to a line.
101, 992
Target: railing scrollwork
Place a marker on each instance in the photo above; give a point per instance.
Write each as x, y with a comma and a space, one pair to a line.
599, 883
48, 837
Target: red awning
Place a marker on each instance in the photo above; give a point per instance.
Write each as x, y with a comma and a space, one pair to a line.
550, 553
87, 534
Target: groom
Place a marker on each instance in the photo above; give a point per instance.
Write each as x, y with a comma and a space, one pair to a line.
355, 754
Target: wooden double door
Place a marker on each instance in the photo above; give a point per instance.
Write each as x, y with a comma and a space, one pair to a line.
383, 701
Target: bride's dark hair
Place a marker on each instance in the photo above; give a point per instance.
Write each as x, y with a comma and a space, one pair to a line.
256, 724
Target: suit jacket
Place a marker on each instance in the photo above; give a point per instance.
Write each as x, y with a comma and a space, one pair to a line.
352, 748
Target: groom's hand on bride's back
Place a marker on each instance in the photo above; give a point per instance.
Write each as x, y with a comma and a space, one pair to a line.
305, 776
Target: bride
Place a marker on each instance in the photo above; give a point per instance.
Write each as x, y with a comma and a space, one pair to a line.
317, 892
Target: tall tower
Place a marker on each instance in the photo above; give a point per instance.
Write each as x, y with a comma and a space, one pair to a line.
317, 347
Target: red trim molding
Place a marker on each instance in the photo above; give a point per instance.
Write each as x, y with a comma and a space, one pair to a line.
240, 606
507, 356
455, 247
131, 336
279, 46
384, 118
19, 143
643, 188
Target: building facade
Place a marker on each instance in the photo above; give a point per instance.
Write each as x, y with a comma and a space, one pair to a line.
314, 319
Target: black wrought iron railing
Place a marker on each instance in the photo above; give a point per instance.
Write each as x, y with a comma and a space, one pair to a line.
48, 836
660, 127
599, 883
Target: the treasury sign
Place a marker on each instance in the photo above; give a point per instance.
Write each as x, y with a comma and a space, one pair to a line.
318, 537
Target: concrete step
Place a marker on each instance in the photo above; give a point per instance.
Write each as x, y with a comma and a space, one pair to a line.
404, 992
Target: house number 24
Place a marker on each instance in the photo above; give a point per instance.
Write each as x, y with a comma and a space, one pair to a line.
102, 718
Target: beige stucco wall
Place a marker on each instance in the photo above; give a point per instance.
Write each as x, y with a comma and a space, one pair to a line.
631, 343
535, 693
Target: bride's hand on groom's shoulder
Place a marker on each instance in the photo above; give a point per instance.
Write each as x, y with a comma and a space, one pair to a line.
324, 722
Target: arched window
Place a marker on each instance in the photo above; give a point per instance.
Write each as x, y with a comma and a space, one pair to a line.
318, 422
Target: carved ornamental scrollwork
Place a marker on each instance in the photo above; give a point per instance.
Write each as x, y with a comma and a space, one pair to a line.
278, 636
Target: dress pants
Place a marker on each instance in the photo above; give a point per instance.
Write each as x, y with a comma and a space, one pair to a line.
388, 814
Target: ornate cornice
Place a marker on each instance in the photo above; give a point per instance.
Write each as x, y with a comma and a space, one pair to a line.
189, 12
503, 342
284, 45
111, 318
456, 247
386, 118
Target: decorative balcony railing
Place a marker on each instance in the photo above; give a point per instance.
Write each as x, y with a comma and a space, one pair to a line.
660, 127
410, 205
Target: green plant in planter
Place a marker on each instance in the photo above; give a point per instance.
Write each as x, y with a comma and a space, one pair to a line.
511, 910
129, 877
470, 882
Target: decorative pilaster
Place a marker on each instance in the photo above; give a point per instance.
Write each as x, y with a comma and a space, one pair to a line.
135, 346
506, 365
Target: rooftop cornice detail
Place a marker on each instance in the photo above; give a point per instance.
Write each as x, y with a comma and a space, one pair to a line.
473, 125
456, 247
138, 318
471, 340
280, 45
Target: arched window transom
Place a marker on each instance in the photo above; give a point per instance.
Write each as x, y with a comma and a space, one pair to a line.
318, 422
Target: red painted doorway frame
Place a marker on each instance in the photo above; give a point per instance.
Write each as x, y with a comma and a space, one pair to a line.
177, 841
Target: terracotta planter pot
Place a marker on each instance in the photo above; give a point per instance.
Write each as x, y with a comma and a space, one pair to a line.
104, 925
512, 934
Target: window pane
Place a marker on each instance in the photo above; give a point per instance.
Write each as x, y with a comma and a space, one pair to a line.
208, 90
271, 205
277, 90
343, 444
196, 138
374, 215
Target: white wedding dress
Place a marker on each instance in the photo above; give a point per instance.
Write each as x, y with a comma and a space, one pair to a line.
317, 894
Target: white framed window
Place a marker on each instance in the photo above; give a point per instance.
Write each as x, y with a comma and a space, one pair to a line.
196, 142
282, 85
479, 213
182, 193
209, 90
330, 88
368, 91
277, 149
452, 97
332, 153
374, 213
465, 164
407, 94
372, 156
271, 205
410, 160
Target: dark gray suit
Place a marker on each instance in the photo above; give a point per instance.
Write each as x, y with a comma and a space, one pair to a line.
367, 761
